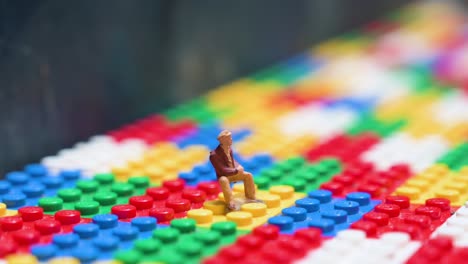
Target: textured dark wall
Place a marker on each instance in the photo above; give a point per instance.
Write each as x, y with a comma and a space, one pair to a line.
70, 69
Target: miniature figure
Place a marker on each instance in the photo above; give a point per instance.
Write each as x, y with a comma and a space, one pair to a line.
228, 171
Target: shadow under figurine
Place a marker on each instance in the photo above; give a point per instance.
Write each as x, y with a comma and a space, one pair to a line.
229, 171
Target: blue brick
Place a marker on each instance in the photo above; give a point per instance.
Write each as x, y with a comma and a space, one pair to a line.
97, 240
207, 135
322, 211
25, 188
359, 105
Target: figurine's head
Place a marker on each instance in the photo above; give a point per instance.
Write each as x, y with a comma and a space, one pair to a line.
225, 138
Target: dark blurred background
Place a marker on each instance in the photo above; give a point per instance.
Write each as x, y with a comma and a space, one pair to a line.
72, 69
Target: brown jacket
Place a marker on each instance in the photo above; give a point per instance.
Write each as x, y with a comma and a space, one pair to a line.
221, 163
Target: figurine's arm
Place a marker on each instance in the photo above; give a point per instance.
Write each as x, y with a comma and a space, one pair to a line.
221, 167
236, 164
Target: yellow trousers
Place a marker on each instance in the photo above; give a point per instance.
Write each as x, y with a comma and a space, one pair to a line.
249, 186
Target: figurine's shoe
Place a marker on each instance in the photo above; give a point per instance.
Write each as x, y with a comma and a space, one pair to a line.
254, 201
233, 206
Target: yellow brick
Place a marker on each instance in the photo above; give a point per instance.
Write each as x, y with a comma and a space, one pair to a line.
6, 212
21, 258
412, 192
421, 185
452, 195
64, 260
404, 107
250, 215
163, 162
436, 182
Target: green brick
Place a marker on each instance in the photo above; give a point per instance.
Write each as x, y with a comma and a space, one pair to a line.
266, 74
300, 174
95, 196
283, 74
182, 242
197, 110
456, 158
368, 123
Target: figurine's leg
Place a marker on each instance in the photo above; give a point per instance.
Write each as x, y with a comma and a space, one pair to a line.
226, 188
249, 186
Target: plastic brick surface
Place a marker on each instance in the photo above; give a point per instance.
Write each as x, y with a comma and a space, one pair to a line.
439, 250
95, 196
437, 181
455, 227
370, 123
182, 242
32, 226
4, 211
418, 153
97, 155
397, 214
266, 245
20, 258
156, 164
346, 148
456, 157
170, 201
250, 215
364, 177
320, 210
298, 173
206, 135
25, 188
196, 109
352, 247
153, 129
96, 240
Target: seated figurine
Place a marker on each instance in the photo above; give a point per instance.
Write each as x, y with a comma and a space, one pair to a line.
228, 171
